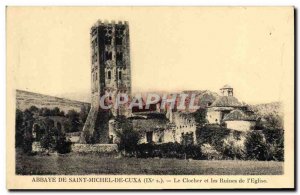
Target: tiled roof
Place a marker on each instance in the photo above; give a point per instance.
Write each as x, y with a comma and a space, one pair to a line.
226, 101
238, 115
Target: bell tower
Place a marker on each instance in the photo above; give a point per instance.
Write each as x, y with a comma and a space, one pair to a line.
226, 90
110, 76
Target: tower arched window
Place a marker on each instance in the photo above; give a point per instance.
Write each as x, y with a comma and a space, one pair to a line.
107, 40
119, 40
108, 55
109, 74
119, 56
120, 75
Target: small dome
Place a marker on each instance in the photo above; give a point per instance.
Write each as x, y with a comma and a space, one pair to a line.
227, 101
226, 87
238, 115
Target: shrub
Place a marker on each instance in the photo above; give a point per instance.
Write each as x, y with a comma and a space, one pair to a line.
209, 152
194, 152
128, 138
19, 128
75, 123
212, 135
256, 147
169, 150
275, 143
63, 146
145, 150
200, 117
233, 147
47, 141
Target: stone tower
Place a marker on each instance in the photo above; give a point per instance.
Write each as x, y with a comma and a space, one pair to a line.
226, 90
110, 76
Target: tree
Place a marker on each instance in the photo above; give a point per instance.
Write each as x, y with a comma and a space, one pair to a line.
47, 141
55, 112
44, 112
84, 111
275, 142
62, 113
129, 138
273, 121
27, 131
200, 117
256, 147
63, 146
213, 135
34, 109
74, 120
19, 128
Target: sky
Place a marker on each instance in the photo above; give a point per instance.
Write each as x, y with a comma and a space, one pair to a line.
172, 49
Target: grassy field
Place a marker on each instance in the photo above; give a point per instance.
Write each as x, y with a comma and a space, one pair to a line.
75, 164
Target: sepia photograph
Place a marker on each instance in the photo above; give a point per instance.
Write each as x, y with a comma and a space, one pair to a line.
112, 95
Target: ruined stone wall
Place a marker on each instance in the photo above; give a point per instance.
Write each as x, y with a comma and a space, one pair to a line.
94, 148
184, 124
214, 117
240, 125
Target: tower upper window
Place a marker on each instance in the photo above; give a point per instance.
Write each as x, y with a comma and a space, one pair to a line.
109, 74
107, 40
120, 75
108, 55
119, 40
94, 58
94, 43
119, 56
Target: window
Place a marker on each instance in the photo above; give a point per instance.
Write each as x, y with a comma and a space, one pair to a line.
108, 55
109, 74
120, 75
94, 58
149, 136
108, 40
119, 40
119, 56
94, 43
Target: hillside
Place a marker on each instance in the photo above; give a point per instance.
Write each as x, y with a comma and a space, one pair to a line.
203, 97
25, 99
274, 108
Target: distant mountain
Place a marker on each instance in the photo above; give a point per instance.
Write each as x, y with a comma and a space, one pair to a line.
25, 99
203, 97
274, 108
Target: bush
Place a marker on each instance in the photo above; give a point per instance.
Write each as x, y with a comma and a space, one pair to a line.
275, 143
256, 146
212, 135
47, 141
145, 150
19, 128
209, 152
169, 150
194, 152
233, 147
200, 117
128, 138
63, 146
75, 123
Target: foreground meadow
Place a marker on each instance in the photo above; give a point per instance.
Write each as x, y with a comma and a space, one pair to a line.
75, 164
